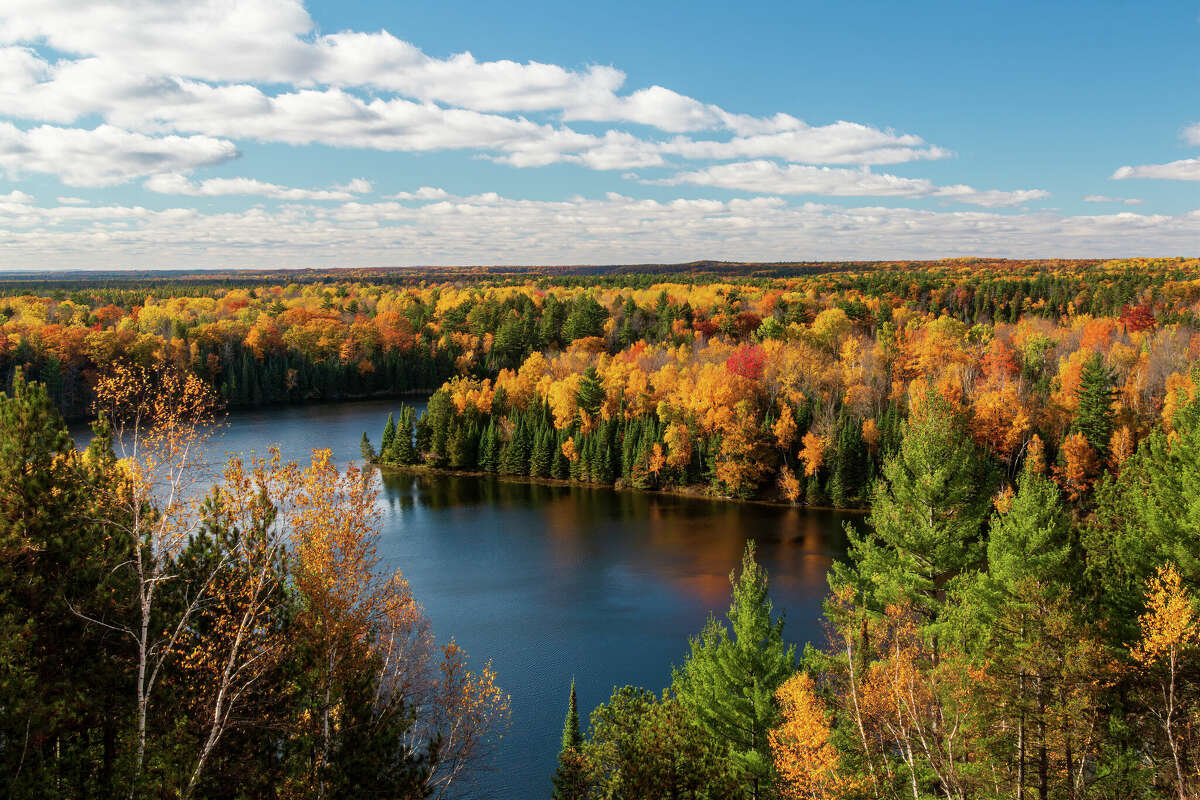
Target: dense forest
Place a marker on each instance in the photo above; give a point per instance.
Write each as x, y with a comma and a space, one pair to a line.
980, 644
799, 395
1016, 616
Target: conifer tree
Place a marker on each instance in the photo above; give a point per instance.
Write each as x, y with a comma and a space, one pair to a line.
388, 440
1095, 418
405, 452
927, 513
1147, 515
489, 449
560, 467
572, 737
590, 394
542, 457
729, 680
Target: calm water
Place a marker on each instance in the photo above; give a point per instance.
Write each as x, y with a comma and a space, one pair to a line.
551, 582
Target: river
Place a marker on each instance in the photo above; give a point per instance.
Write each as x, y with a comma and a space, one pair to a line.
555, 582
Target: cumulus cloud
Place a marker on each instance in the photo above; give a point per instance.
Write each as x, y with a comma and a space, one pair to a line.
71, 201
424, 193
1187, 169
174, 183
1101, 198
175, 83
1191, 134
456, 102
105, 155
771, 178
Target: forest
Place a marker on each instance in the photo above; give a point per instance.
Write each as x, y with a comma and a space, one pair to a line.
1015, 616
173, 630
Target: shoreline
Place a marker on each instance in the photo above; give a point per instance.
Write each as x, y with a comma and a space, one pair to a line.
695, 492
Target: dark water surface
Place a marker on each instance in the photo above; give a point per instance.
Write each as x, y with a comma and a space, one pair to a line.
551, 582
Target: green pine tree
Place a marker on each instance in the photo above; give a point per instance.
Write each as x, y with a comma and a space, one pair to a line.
590, 394
405, 451
1095, 418
728, 682
572, 737
927, 514
387, 442
489, 456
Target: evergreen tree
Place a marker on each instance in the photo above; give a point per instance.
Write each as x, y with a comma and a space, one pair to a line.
1146, 515
590, 394
1096, 393
560, 467
927, 513
541, 458
586, 319
489, 456
572, 738
402, 447
728, 682
652, 749
62, 679
387, 442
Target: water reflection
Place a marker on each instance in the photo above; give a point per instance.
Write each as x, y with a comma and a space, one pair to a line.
552, 582
555, 581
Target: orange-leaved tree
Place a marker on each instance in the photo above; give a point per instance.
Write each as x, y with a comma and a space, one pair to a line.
806, 759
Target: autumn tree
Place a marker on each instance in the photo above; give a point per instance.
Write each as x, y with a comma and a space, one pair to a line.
806, 760
161, 420
235, 641
385, 709
1170, 633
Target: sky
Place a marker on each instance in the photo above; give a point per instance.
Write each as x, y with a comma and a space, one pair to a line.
275, 133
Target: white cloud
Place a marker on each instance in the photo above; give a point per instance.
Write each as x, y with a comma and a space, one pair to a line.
1101, 198
355, 186
174, 183
424, 193
16, 196
1191, 134
72, 201
105, 155
838, 143
207, 55
177, 82
490, 229
771, 178
1187, 169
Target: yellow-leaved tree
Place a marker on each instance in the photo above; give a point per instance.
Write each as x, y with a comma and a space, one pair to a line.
808, 764
1169, 630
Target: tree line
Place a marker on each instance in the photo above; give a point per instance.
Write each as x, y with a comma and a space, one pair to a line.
363, 333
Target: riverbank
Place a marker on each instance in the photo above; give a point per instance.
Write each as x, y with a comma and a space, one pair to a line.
695, 492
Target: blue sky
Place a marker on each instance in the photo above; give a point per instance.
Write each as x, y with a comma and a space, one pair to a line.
214, 133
